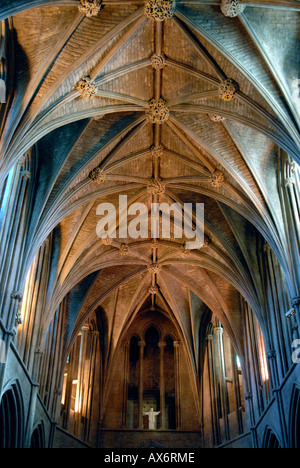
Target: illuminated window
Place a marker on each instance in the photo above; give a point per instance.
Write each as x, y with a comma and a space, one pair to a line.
5, 195
75, 397
64, 390
262, 356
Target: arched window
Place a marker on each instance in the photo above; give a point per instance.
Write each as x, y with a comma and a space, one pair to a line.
169, 373
38, 437
152, 381
270, 440
11, 419
133, 384
295, 420
4, 195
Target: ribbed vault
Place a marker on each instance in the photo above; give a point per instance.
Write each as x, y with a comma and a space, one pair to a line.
223, 153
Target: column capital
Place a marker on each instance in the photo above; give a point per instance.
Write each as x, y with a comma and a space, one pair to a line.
295, 301
218, 330
17, 296
177, 344
271, 354
18, 319
267, 248
142, 344
290, 182
26, 175
162, 344
210, 337
248, 396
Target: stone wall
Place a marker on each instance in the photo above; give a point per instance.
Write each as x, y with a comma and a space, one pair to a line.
149, 439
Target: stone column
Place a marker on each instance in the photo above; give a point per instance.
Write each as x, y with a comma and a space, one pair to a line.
93, 347
218, 331
142, 345
177, 357
31, 414
213, 396
125, 386
162, 346
296, 316
249, 399
271, 355
83, 386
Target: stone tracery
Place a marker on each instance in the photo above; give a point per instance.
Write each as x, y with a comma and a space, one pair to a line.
232, 8
90, 7
158, 61
158, 112
227, 90
160, 10
217, 179
98, 176
86, 88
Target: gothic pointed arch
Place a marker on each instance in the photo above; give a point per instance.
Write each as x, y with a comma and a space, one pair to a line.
12, 417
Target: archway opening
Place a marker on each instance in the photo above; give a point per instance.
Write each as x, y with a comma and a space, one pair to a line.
38, 438
271, 441
11, 420
151, 383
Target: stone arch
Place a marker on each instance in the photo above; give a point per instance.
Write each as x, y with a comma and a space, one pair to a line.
172, 336
270, 439
154, 325
294, 425
12, 418
38, 437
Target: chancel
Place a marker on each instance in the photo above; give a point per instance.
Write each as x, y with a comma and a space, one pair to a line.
146, 338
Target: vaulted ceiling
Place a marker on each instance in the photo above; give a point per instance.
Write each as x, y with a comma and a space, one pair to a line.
223, 153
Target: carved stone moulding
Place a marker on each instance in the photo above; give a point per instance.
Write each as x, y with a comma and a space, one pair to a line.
157, 151
271, 354
160, 10
207, 242
232, 8
26, 175
124, 250
153, 290
290, 182
292, 167
154, 268
296, 301
86, 88
217, 179
158, 61
227, 90
90, 7
106, 241
19, 320
158, 113
186, 252
16, 296
216, 118
98, 176
156, 187
154, 243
